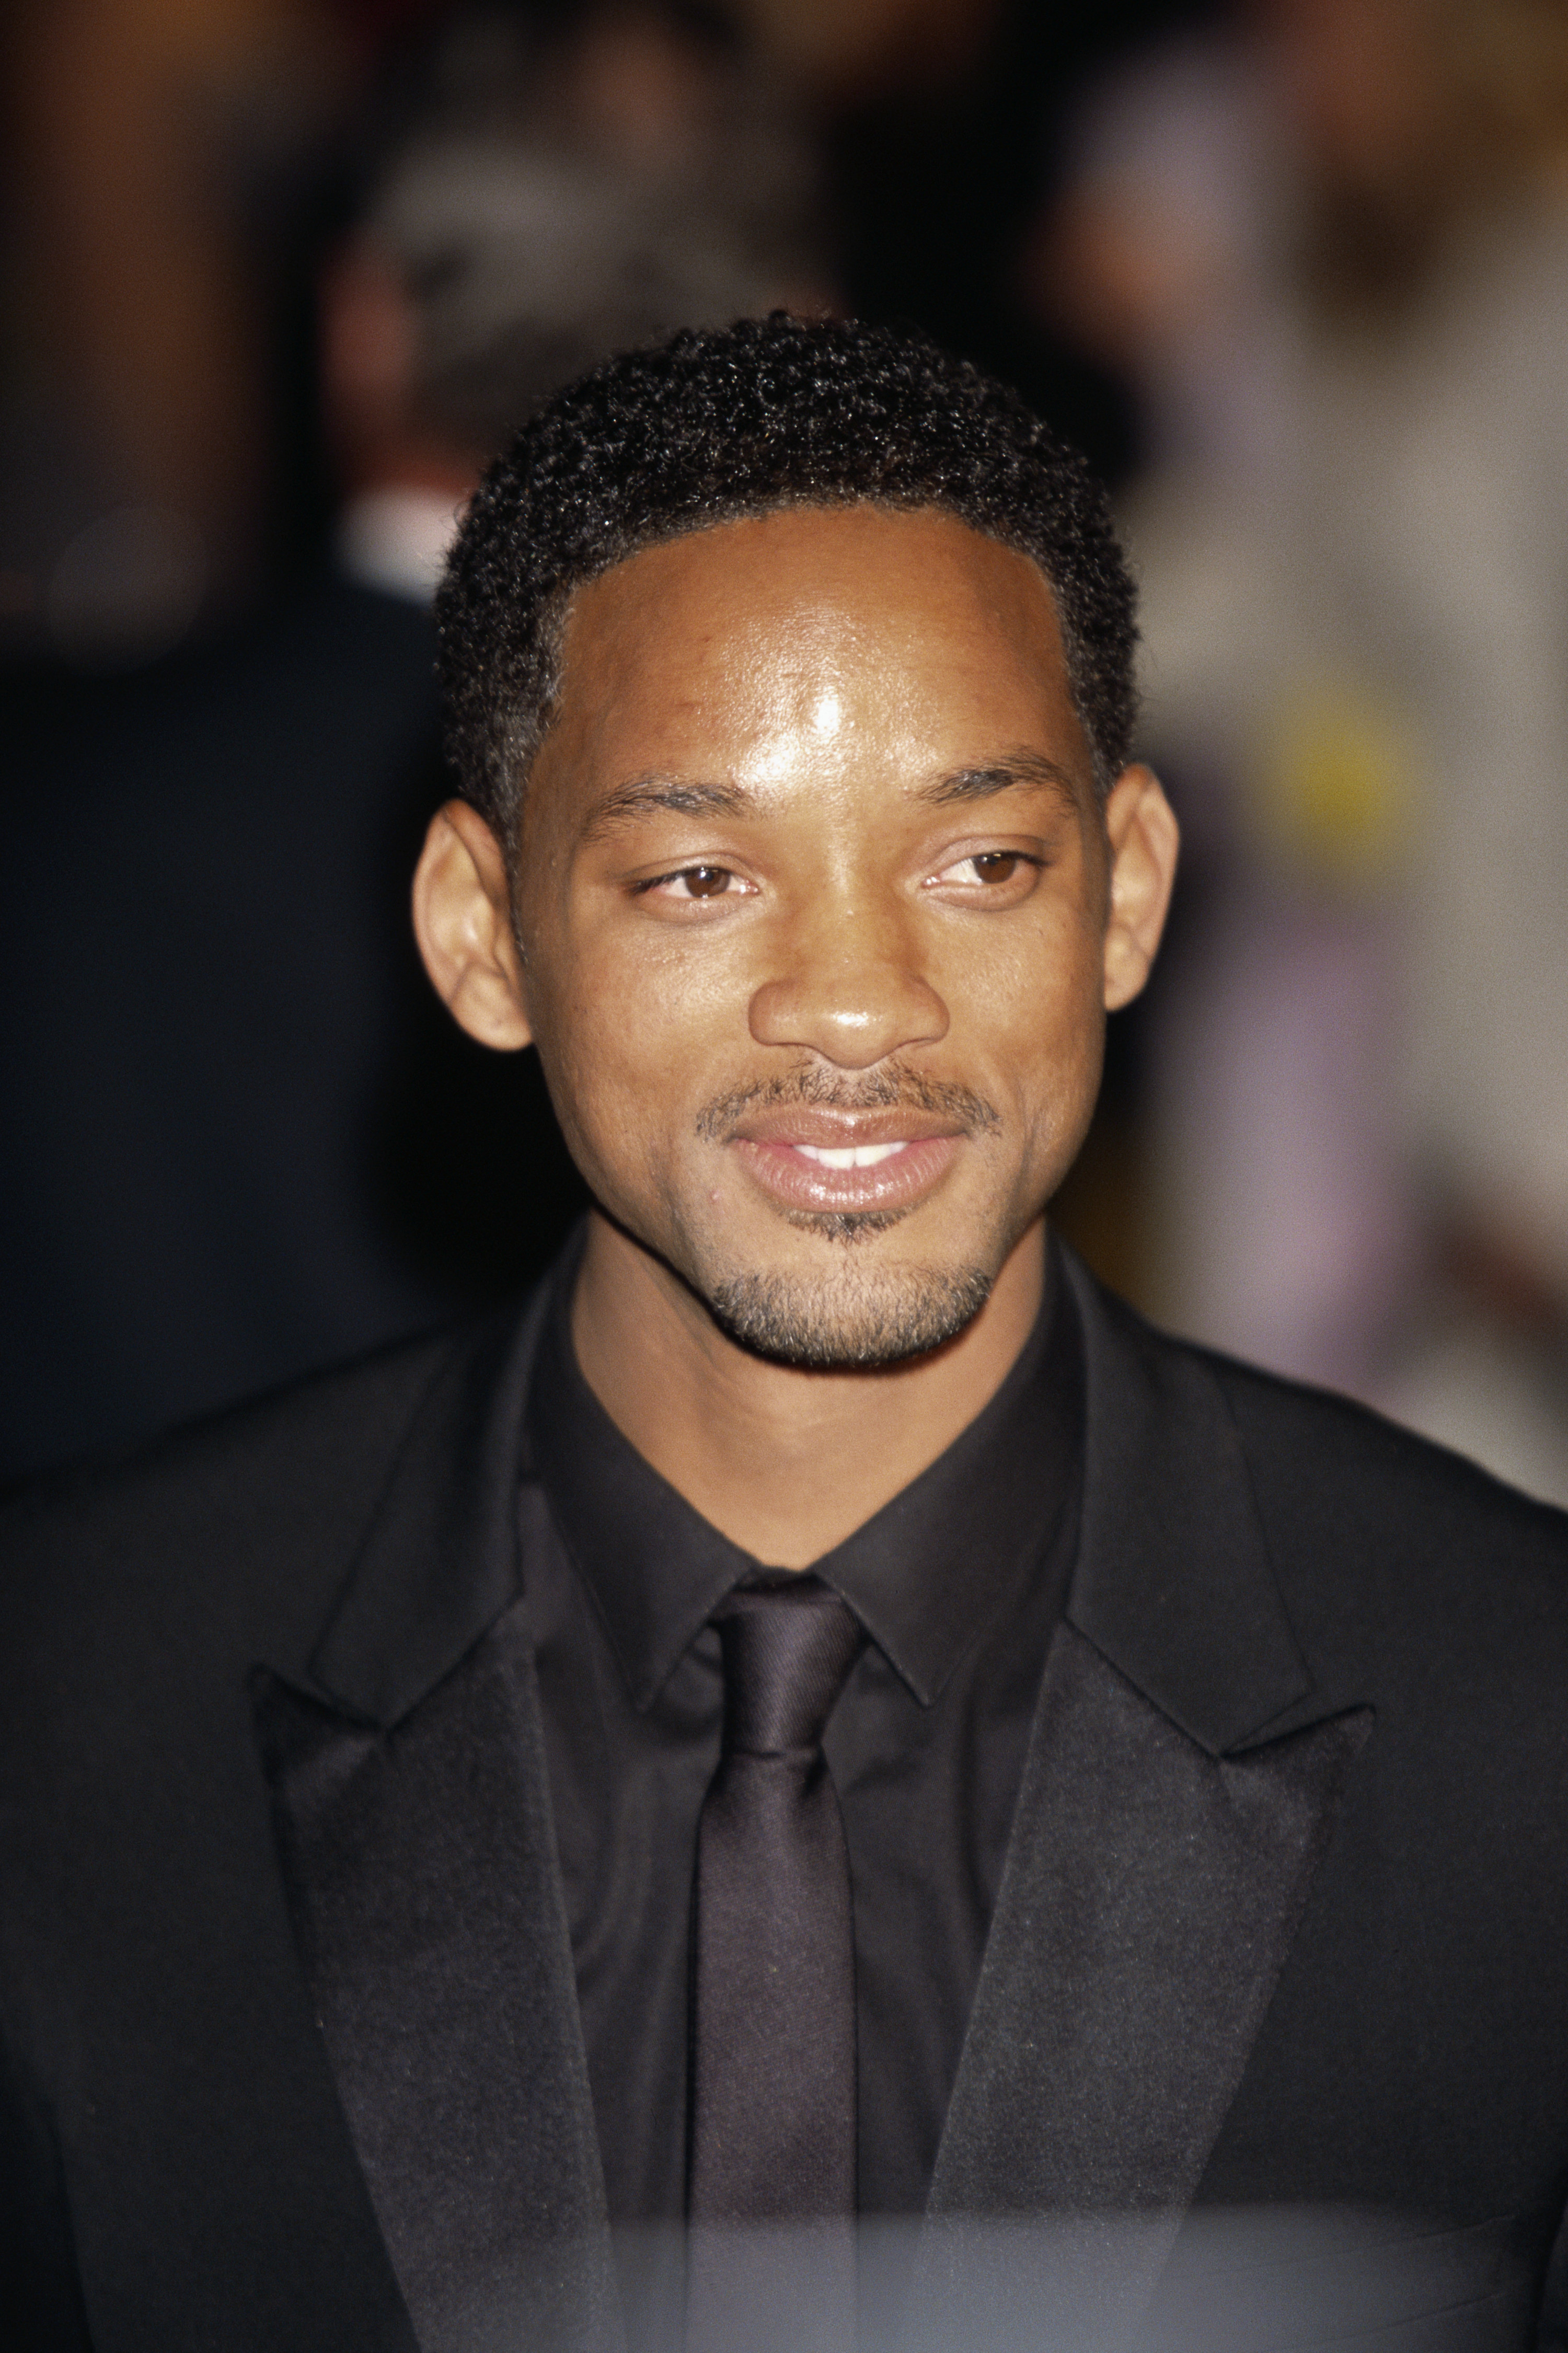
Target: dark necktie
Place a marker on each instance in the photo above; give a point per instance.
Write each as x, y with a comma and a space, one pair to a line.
772, 2175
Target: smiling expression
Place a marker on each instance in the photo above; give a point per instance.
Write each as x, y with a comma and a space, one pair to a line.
812, 900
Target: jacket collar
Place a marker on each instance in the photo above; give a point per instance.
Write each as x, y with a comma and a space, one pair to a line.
438, 1562
1173, 1583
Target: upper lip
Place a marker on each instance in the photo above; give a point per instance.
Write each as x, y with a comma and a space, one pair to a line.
820, 1124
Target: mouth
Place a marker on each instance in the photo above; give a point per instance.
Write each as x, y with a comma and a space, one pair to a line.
815, 1160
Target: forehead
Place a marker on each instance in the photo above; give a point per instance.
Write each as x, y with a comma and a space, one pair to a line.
911, 623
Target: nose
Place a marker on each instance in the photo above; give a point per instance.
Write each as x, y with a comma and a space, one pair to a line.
853, 993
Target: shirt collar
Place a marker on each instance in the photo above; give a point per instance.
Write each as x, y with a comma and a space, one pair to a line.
923, 1574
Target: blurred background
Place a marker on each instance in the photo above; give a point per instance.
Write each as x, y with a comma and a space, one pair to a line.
275, 278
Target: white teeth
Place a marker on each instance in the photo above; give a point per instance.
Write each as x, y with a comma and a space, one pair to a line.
850, 1155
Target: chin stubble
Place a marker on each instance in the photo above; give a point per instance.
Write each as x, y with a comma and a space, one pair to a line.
850, 1321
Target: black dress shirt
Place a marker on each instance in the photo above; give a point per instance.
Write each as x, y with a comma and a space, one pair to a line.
959, 1582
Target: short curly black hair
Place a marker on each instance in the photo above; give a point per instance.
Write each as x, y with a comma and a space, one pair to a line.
715, 424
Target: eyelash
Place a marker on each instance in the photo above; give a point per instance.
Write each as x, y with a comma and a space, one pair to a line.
684, 873
1009, 858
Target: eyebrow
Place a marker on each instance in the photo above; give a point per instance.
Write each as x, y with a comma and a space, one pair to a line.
678, 795
688, 796
983, 784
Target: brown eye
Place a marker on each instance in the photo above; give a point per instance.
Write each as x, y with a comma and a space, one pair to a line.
996, 865
705, 881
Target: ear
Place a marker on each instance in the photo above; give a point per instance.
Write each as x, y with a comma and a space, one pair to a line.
462, 921
1144, 838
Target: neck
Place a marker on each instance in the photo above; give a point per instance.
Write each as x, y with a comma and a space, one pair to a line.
785, 1463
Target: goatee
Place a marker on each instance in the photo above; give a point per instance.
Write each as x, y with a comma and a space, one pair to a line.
849, 1322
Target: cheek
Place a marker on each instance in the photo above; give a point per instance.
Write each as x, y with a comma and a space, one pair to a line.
625, 1040
1032, 1004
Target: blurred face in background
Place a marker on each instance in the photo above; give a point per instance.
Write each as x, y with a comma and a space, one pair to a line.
1361, 82
819, 915
1408, 103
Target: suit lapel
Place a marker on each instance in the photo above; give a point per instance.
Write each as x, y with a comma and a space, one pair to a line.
415, 1836
1163, 1850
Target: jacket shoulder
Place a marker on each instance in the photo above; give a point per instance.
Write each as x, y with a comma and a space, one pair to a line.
1409, 1577
250, 1515
1354, 1457
1347, 1454
1388, 1548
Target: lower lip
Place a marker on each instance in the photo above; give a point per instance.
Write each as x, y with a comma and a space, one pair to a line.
786, 1175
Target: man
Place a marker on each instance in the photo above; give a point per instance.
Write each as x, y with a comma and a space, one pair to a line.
827, 1715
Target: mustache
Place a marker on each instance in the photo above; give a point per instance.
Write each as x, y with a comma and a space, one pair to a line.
892, 1088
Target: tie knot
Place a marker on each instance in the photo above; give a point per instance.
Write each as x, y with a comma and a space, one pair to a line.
788, 1649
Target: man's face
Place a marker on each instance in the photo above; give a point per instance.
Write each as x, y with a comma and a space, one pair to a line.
812, 899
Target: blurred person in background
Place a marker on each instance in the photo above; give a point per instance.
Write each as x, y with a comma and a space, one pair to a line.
234, 1116
153, 169
1332, 249
155, 200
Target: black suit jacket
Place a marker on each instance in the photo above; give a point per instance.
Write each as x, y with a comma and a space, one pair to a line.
291, 2042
